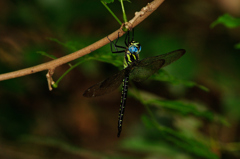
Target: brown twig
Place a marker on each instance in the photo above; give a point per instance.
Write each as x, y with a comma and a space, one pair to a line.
50, 79
52, 65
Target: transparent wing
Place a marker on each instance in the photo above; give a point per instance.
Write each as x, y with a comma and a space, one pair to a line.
148, 66
171, 56
145, 68
106, 86
138, 72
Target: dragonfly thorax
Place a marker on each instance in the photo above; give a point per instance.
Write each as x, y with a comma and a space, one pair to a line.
132, 53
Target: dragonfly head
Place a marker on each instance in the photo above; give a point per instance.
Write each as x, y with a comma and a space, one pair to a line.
134, 47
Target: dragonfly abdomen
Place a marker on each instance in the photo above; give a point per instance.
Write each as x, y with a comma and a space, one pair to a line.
123, 103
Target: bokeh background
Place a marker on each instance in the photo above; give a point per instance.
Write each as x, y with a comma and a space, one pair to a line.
36, 123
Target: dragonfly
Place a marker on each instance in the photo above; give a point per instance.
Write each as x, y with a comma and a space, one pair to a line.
135, 69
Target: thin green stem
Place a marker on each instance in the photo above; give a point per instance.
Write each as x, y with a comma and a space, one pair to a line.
55, 85
112, 13
123, 10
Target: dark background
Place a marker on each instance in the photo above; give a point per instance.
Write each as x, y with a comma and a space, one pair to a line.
37, 124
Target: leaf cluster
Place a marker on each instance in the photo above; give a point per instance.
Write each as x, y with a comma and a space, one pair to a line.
228, 21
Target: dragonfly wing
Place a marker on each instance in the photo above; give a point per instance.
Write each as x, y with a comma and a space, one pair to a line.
148, 66
145, 68
106, 86
171, 56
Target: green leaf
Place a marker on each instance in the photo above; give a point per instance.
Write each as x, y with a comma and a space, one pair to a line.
69, 45
105, 57
168, 141
183, 108
50, 56
164, 76
177, 107
46, 54
237, 46
108, 1
227, 20
148, 123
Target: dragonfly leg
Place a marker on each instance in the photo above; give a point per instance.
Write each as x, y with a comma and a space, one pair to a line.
132, 34
116, 46
123, 47
127, 39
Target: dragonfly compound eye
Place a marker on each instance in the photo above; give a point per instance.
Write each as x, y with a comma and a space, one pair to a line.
135, 49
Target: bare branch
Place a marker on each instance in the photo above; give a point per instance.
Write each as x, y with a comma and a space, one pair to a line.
51, 65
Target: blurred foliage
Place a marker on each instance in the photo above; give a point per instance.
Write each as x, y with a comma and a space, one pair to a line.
176, 106
227, 20
189, 110
111, 1
173, 141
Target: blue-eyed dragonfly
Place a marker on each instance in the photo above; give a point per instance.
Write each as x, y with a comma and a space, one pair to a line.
135, 69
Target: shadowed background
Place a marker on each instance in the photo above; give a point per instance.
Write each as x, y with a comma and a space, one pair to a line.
37, 124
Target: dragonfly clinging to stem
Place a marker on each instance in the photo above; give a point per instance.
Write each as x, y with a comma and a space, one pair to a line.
135, 69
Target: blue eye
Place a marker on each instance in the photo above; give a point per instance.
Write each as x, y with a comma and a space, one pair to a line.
140, 48
133, 49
